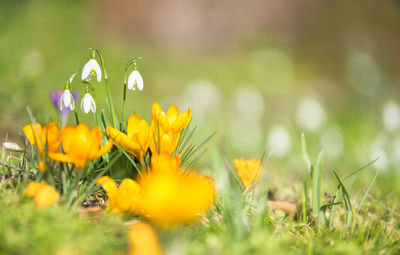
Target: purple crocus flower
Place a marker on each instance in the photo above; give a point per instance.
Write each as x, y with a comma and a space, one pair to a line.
55, 97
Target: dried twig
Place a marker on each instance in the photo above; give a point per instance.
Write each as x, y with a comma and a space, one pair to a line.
13, 167
383, 205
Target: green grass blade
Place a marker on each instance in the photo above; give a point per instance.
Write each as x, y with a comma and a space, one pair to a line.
304, 202
360, 169
366, 193
347, 201
316, 185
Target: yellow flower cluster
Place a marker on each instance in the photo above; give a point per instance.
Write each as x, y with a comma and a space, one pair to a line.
79, 144
165, 195
43, 194
162, 135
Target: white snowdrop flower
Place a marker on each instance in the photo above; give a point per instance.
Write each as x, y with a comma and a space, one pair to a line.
88, 104
310, 114
391, 116
279, 141
91, 68
135, 81
332, 141
67, 100
11, 146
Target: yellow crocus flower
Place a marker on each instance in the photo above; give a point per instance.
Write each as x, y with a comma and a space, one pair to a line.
81, 145
163, 140
43, 137
166, 128
43, 194
136, 141
143, 240
172, 119
170, 197
165, 195
248, 171
123, 199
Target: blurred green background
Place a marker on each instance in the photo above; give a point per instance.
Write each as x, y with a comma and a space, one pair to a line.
258, 72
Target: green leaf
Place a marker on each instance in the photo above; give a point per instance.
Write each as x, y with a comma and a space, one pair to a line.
316, 184
347, 201
366, 193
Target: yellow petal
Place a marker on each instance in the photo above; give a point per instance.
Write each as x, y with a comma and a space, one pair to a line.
248, 171
131, 146
172, 114
45, 196
165, 162
31, 132
128, 196
103, 150
143, 240
32, 188
109, 185
61, 157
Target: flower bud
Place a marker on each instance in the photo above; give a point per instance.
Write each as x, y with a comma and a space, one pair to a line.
135, 81
88, 104
67, 100
91, 68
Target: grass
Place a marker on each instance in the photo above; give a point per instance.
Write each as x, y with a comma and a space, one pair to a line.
365, 220
240, 223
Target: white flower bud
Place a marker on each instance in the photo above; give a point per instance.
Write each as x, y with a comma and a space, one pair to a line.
67, 100
135, 81
91, 68
88, 104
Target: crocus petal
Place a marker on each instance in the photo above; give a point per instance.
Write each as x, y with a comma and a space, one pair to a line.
128, 196
61, 157
103, 150
45, 196
109, 185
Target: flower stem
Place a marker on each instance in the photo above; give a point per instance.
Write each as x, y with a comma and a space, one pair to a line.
108, 90
76, 117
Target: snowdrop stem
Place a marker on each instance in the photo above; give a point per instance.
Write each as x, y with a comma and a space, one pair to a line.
108, 90
76, 116
124, 102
